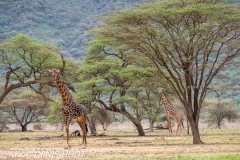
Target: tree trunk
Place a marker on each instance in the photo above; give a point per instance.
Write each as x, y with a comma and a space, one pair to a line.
139, 128
104, 126
136, 122
188, 126
193, 115
195, 131
24, 128
92, 127
151, 122
219, 124
192, 108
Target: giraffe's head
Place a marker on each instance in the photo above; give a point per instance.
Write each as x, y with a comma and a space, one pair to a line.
160, 89
54, 72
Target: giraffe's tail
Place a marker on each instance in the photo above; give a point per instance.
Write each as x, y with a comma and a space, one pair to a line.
182, 124
86, 128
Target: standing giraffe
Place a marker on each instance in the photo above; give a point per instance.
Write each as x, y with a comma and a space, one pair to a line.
171, 112
70, 109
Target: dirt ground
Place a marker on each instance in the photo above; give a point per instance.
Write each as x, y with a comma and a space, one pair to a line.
118, 143
117, 147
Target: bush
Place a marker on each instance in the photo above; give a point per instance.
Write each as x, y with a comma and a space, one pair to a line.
38, 126
3, 127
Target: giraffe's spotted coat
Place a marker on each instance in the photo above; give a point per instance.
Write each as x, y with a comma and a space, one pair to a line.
171, 112
70, 109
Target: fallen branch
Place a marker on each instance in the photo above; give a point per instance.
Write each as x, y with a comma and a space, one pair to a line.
24, 138
75, 133
160, 127
42, 138
96, 134
59, 135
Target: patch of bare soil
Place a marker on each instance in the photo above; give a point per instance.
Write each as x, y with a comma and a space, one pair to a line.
118, 147
120, 143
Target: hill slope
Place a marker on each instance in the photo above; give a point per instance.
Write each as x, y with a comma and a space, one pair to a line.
61, 22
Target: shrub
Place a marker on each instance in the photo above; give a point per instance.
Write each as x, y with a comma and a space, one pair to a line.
38, 126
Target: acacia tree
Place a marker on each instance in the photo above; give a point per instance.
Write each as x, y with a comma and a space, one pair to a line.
23, 108
110, 79
148, 101
103, 117
189, 42
25, 63
218, 110
219, 107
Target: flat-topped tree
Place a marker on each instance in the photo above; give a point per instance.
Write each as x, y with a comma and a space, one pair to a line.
25, 62
189, 42
117, 83
23, 107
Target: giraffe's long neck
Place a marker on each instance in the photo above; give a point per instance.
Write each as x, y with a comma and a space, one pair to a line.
66, 96
165, 100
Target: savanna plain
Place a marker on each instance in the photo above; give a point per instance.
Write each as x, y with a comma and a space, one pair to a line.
121, 144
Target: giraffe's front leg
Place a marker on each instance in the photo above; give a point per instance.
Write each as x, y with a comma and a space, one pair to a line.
169, 126
67, 122
68, 143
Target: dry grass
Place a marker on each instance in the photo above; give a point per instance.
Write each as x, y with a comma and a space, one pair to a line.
124, 144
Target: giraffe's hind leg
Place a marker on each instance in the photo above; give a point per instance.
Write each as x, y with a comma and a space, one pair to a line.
179, 125
81, 121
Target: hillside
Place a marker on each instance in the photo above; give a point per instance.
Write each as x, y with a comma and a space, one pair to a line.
63, 23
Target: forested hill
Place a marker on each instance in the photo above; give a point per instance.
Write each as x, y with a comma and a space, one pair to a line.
63, 23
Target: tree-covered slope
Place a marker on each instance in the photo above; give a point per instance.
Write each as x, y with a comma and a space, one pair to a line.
63, 23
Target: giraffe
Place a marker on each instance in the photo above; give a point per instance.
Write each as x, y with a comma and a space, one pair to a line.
70, 109
171, 112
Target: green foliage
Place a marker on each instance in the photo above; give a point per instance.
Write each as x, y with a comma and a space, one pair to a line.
180, 157
187, 43
22, 49
114, 76
25, 62
183, 157
218, 110
55, 115
35, 58
23, 107
101, 116
63, 23
38, 126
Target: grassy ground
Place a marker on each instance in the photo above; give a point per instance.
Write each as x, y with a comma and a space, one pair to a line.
220, 144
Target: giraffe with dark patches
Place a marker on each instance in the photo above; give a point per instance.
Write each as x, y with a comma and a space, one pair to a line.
70, 109
171, 112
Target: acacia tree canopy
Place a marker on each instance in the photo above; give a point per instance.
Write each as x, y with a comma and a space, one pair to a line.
23, 107
109, 78
189, 42
25, 62
219, 110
